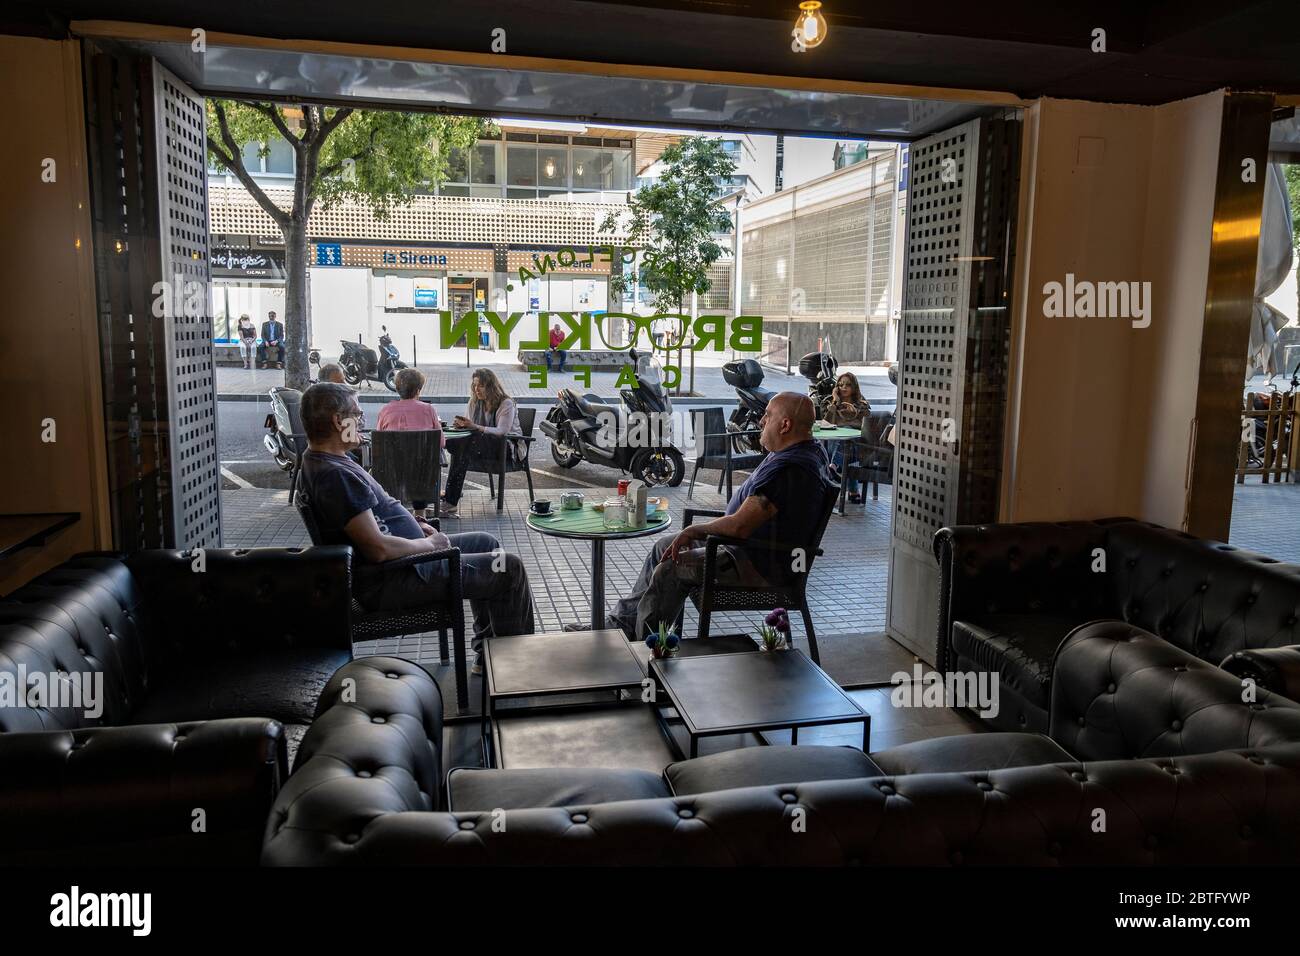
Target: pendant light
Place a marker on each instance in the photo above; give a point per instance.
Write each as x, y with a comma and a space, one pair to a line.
810, 28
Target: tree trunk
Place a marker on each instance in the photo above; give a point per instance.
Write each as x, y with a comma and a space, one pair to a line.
297, 312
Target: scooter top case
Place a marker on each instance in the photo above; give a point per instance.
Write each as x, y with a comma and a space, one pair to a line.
745, 373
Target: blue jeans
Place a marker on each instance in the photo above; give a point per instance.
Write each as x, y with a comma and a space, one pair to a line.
501, 600
836, 452
561, 353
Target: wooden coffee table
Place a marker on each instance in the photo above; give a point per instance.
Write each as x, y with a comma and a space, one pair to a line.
721, 694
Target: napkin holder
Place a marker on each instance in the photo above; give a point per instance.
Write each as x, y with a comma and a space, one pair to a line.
636, 504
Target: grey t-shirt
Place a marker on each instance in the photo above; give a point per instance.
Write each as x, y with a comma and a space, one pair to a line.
338, 489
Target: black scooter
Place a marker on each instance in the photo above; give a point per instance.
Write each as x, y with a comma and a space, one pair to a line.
634, 437
362, 364
746, 377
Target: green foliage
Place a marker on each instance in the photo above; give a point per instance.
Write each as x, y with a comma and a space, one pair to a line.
378, 157
674, 222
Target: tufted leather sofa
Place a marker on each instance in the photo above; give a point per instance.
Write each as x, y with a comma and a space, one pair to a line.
1011, 593
209, 680
1164, 763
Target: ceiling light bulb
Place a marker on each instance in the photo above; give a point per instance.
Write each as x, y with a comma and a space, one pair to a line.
549, 169
811, 25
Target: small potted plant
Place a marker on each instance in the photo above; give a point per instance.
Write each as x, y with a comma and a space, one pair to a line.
775, 632
664, 643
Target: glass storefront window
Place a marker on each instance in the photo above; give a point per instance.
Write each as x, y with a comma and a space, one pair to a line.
521, 166
512, 193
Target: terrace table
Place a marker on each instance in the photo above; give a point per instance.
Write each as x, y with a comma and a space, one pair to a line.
589, 524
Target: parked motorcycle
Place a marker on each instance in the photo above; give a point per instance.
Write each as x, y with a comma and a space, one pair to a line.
634, 437
746, 377
362, 364
285, 437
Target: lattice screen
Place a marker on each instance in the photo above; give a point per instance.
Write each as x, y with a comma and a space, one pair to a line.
425, 219
933, 332
182, 211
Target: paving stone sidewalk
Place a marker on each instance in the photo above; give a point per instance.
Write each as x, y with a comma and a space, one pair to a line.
847, 588
446, 382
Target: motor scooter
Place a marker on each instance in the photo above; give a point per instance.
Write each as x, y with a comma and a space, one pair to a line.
746, 377
362, 364
634, 437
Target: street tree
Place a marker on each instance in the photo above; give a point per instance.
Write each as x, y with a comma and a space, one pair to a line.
378, 157
674, 221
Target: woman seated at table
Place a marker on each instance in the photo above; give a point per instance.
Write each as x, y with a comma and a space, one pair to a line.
845, 407
408, 413
492, 417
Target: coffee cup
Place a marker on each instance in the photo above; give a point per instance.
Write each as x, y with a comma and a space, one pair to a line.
541, 507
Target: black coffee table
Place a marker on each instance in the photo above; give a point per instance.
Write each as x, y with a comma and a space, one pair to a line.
720, 694
546, 665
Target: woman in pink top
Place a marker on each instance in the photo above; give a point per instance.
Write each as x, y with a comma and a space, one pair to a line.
408, 413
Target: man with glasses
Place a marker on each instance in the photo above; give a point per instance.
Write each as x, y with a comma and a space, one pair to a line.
350, 507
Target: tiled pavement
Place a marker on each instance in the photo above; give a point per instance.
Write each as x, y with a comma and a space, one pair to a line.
847, 587
1266, 518
450, 381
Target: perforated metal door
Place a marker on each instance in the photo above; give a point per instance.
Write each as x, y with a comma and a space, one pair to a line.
179, 121
936, 306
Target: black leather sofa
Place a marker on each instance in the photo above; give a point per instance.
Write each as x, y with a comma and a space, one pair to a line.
1153, 758
1011, 593
209, 680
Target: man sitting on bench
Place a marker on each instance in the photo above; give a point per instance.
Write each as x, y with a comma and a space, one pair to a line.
779, 502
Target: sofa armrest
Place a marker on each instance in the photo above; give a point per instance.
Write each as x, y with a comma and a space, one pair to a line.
235, 600
1119, 692
1034, 567
1273, 668
145, 794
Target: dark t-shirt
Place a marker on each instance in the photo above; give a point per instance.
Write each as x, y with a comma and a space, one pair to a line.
338, 489
794, 480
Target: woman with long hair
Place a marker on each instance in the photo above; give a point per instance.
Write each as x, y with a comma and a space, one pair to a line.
846, 407
492, 416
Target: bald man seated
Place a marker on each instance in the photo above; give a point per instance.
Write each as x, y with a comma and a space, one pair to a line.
780, 502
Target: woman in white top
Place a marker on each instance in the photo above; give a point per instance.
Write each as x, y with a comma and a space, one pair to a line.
247, 339
491, 414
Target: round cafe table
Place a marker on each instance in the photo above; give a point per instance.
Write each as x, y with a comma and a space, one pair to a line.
589, 524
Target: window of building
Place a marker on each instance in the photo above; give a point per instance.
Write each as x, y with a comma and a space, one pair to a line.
521, 167
483, 165
553, 166
600, 168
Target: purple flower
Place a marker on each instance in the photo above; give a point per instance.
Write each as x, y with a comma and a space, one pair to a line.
673, 640
651, 640
773, 617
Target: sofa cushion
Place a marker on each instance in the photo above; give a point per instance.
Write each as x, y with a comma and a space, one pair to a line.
470, 789
764, 766
1016, 647
965, 753
280, 684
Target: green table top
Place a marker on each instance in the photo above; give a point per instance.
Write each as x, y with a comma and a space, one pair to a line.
455, 432
842, 431
590, 523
